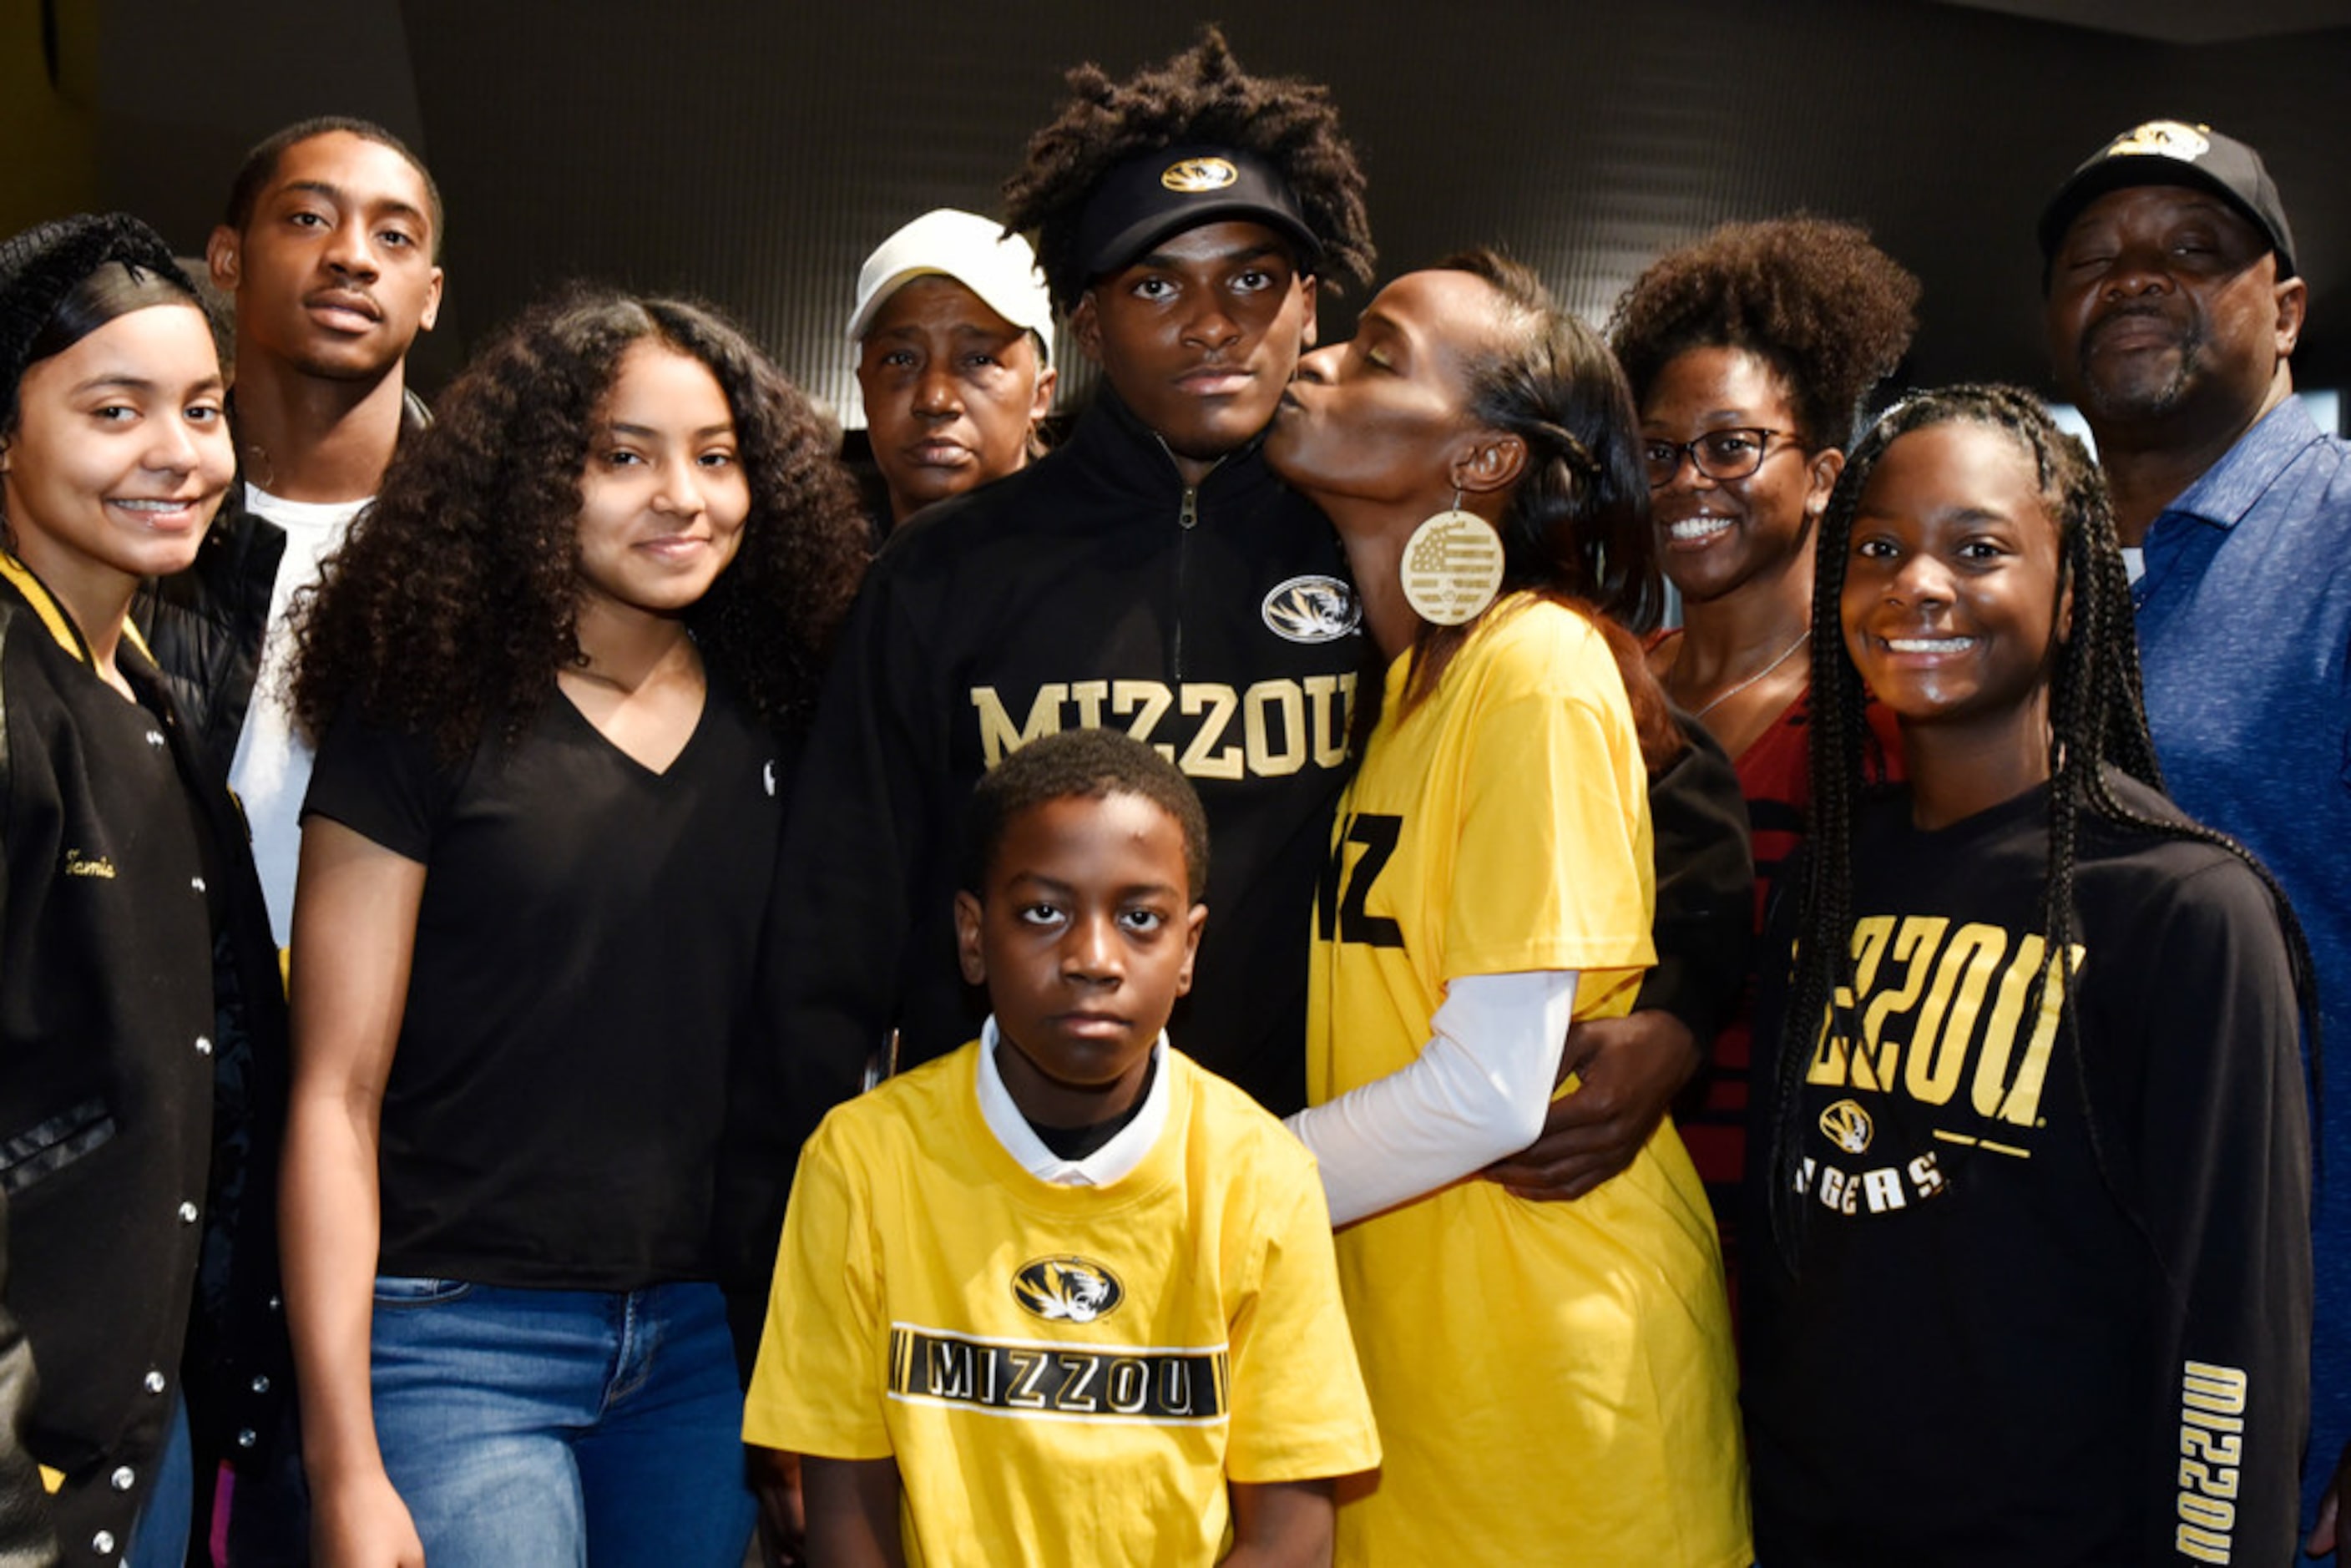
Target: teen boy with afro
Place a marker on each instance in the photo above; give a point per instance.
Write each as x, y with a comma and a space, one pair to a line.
1151, 575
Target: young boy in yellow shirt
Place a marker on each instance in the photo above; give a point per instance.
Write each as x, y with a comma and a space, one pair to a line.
1062, 1296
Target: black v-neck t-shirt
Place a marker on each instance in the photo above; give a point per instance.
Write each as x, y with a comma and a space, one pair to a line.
583, 964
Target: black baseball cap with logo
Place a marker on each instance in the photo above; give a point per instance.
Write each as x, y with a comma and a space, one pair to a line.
2174, 152
1154, 194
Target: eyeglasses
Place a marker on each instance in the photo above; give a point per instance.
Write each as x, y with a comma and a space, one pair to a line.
1719, 455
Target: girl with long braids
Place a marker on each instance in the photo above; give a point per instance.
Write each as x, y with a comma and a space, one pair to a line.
1749, 352
1552, 1380
2033, 1139
558, 671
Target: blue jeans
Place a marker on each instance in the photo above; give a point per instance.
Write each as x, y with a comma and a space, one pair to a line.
160, 1539
524, 1427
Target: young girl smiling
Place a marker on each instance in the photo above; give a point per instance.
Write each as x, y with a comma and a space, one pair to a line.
2042, 1287
141, 1022
556, 671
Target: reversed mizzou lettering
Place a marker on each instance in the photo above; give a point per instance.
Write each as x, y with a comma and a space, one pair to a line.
1101, 1383
1341, 892
1925, 1027
1269, 729
2212, 1401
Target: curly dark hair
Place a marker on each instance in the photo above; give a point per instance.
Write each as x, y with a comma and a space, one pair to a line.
1576, 529
1088, 764
1199, 95
1812, 297
2097, 727
454, 600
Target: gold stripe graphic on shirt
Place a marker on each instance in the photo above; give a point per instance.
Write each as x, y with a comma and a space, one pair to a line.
1915, 970
1051, 1381
1284, 725
1975, 1143
52, 615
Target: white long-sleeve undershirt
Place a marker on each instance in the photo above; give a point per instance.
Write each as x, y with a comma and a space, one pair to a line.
1478, 1091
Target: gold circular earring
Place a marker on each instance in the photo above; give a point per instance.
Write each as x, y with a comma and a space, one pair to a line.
1452, 567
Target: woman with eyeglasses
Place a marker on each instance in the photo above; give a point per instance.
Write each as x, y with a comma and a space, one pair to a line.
2033, 1153
1748, 353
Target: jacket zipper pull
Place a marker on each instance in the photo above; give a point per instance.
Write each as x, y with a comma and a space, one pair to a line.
1189, 515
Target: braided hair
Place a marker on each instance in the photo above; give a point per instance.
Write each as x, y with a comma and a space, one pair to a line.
2097, 727
1200, 94
1576, 529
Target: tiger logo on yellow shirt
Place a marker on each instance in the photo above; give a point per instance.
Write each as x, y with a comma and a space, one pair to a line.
1067, 1289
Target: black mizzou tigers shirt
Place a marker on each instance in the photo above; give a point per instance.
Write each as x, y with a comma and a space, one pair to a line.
2049, 1307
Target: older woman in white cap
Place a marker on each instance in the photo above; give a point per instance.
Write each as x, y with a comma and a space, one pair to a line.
953, 327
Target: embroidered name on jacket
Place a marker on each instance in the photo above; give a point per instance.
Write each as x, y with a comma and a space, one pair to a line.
1269, 729
1936, 1025
1153, 1385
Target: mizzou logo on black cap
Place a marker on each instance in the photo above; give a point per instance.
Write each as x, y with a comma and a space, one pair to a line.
1194, 176
2165, 138
1067, 1289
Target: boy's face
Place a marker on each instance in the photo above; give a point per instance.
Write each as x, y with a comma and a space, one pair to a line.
1083, 936
1200, 334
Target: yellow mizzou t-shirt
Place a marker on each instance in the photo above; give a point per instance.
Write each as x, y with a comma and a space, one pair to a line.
1554, 1381
1065, 1375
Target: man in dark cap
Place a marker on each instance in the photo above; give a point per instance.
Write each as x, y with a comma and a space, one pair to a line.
1151, 574
2173, 307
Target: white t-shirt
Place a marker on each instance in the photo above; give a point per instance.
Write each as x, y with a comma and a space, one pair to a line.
272, 769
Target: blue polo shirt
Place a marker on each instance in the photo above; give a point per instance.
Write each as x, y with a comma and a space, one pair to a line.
2244, 632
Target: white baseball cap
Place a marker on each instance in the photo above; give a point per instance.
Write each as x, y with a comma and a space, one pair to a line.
974, 251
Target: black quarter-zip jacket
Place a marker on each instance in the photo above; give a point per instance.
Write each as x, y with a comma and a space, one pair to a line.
1096, 587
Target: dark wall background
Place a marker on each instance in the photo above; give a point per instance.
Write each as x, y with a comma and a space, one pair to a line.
753, 152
